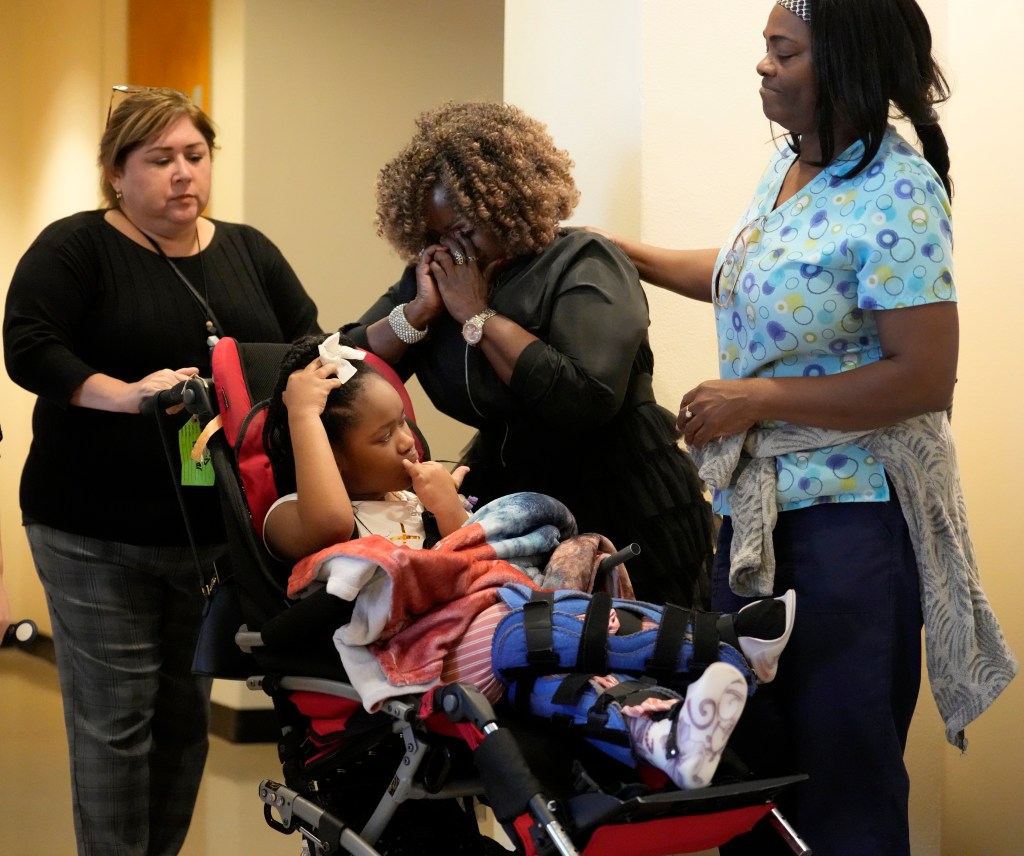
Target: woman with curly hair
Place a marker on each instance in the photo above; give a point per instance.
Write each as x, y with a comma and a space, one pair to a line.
536, 336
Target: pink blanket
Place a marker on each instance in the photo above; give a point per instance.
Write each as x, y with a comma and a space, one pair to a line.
413, 606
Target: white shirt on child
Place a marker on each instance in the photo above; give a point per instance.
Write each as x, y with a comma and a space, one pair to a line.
400, 519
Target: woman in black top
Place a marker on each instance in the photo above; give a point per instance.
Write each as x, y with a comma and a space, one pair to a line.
98, 318
536, 336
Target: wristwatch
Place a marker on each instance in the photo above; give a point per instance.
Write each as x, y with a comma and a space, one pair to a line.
473, 329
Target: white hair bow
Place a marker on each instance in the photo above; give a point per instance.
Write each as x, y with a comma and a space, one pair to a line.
334, 353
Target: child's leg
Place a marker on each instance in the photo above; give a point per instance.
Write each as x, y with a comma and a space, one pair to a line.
591, 707
687, 744
469, 662
751, 640
636, 720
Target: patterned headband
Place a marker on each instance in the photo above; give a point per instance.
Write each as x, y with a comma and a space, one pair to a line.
798, 7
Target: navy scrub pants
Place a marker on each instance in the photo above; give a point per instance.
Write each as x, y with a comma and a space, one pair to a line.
840, 707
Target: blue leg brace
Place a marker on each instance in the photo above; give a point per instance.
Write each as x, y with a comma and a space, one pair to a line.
573, 703
567, 631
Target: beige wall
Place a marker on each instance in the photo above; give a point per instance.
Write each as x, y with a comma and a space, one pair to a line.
984, 790
699, 144
656, 101
60, 59
329, 96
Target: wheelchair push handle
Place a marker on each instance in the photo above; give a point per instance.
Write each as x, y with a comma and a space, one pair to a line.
164, 399
630, 551
188, 392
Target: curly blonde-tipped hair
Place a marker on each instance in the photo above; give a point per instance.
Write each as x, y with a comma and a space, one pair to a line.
500, 169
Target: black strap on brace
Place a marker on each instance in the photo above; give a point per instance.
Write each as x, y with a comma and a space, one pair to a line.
625, 692
726, 627
665, 658
592, 656
540, 645
596, 726
672, 742
570, 688
708, 629
705, 640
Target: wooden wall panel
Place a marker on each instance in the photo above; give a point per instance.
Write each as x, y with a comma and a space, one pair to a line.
169, 45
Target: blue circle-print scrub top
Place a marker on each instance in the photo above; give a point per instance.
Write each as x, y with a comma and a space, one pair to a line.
797, 289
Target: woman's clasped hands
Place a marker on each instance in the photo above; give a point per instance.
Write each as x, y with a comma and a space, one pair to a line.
449, 277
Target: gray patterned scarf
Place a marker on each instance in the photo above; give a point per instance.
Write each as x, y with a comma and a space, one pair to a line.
969, 662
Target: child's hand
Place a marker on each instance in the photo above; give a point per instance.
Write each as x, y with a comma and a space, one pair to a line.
432, 483
308, 388
438, 491
458, 474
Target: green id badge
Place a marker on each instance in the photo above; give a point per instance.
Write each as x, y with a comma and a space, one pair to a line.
193, 473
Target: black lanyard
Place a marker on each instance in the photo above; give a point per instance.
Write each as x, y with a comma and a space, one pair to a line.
213, 327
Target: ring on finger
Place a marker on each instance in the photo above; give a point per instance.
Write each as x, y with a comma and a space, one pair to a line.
688, 413
470, 258
458, 257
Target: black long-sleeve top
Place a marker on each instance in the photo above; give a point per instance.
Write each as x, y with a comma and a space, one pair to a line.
578, 420
570, 392
86, 299
582, 299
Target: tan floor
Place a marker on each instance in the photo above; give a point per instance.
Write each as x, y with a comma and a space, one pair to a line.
35, 807
35, 802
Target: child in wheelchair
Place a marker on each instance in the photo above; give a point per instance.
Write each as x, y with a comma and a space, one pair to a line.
346, 467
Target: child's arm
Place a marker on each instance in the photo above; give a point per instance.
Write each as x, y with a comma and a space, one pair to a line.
323, 513
438, 492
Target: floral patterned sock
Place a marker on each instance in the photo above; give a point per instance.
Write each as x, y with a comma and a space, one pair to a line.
687, 744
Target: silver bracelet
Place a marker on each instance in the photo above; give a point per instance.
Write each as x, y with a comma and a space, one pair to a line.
402, 328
